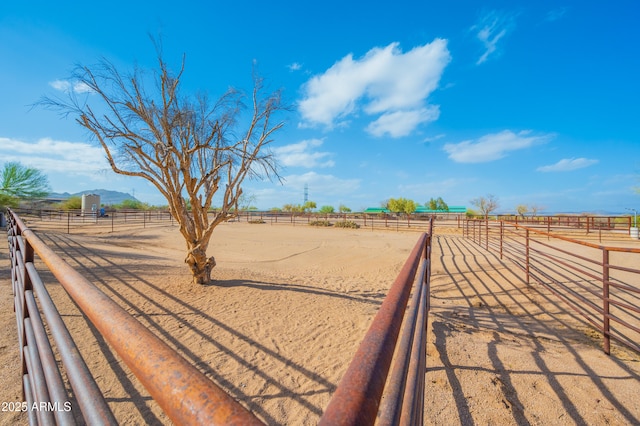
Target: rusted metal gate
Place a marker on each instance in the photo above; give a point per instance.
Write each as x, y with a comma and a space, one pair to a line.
182, 391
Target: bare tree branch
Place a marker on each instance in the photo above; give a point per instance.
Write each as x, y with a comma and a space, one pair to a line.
186, 146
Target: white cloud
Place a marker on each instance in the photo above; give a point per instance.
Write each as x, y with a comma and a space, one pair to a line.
301, 155
402, 123
385, 82
492, 28
428, 189
51, 156
433, 138
294, 66
61, 85
567, 165
556, 14
492, 147
66, 86
322, 185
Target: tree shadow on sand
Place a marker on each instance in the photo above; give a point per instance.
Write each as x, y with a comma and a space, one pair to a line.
372, 298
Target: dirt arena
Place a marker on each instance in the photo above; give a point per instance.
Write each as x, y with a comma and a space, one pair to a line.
290, 305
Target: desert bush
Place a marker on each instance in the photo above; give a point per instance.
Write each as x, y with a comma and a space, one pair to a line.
71, 203
320, 223
256, 221
347, 224
130, 204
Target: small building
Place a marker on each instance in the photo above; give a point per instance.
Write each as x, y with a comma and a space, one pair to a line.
90, 204
376, 210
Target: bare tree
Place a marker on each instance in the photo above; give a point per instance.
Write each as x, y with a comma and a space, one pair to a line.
535, 209
188, 147
486, 205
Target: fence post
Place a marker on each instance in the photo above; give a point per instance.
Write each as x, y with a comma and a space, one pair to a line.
527, 254
486, 235
501, 236
605, 302
68, 222
27, 257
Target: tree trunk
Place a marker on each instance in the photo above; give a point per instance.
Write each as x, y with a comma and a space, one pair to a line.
200, 266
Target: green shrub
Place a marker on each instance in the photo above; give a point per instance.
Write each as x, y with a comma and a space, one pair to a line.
71, 203
130, 204
347, 224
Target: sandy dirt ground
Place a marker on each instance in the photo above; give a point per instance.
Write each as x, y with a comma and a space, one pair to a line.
290, 305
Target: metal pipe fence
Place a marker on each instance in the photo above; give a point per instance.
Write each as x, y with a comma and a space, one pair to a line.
356, 401
74, 221
582, 223
383, 221
71, 221
600, 284
182, 391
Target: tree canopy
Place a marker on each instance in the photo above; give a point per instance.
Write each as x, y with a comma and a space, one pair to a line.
21, 182
402, 205
326, 209
522, 209
437, 204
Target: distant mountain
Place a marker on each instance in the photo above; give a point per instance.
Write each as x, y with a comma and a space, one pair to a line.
106, 196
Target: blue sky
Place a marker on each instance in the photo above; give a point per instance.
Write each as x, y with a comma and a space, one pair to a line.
537, 102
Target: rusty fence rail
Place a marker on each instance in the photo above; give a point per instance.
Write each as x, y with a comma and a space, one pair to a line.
393, 222
182, 391
374, 371
601, 284
583, 223
75, 221
41, 378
